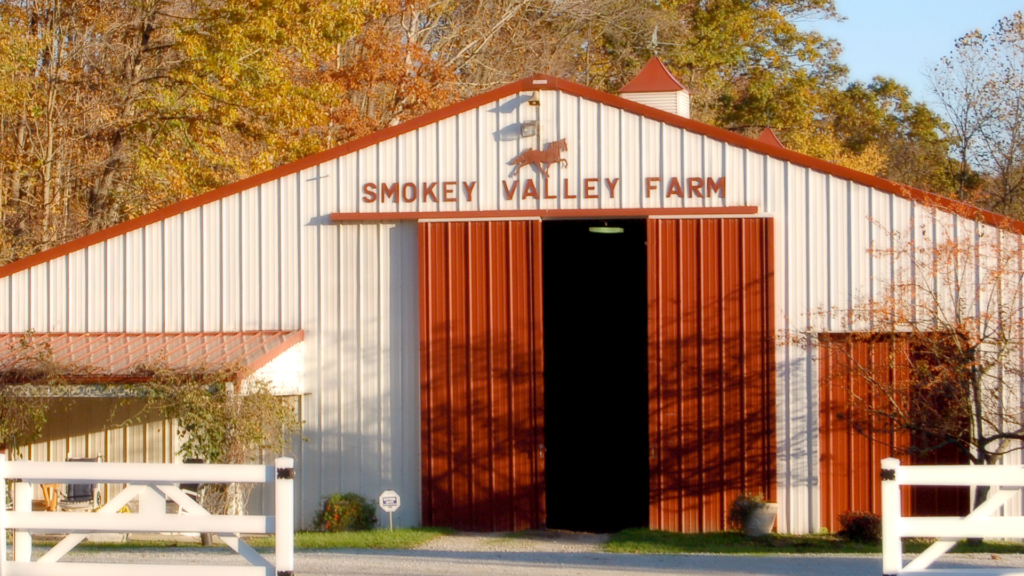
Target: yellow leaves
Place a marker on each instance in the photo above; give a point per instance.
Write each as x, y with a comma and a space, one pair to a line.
827, 146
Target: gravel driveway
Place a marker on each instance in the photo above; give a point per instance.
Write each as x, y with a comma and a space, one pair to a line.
542, 555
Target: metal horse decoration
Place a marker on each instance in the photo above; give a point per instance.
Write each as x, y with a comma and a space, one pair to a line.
551, 155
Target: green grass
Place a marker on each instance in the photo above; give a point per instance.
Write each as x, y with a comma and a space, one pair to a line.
400, 539
643, 541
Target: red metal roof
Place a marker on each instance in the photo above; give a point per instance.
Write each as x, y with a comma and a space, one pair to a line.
654, 77
118, 355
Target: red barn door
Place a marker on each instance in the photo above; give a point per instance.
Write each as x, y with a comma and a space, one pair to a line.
711, 371
482, 375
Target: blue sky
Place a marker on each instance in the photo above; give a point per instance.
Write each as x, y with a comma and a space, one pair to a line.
904, 39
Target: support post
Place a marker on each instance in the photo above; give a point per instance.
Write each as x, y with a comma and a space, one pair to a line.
22, 538
284, 516
892, 545
3, 512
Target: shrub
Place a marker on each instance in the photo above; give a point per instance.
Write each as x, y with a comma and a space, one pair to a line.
347, 511
741, 508
861, 527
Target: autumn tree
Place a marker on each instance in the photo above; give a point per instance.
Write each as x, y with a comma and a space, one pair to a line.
980, 89
945, 367
115, 109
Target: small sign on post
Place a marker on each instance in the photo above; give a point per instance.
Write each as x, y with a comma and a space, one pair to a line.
389, 501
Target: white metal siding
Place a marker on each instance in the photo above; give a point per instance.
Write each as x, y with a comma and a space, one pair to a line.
268, 258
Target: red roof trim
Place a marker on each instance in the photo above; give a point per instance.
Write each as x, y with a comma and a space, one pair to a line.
654, 77
768, 137
537, 82
550, 214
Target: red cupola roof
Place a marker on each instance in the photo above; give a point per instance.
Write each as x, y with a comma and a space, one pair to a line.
654, 77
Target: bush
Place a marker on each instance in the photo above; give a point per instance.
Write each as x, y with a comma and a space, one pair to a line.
347, 511
741, 508
861, 527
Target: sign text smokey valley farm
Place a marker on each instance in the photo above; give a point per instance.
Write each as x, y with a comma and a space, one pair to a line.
589, 188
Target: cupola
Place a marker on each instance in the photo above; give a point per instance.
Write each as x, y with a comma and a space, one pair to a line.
656, 87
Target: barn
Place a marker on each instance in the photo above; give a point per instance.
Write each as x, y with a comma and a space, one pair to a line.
542, 306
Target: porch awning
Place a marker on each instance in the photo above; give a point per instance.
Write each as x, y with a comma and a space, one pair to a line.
121, 357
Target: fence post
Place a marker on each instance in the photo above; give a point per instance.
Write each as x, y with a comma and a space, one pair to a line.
3, 512
284, 516
22, 538
892, 545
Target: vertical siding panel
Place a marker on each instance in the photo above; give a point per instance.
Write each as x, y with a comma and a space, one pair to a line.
231, 248
38, 309
58, 297
271, 256
350, 456
348, 182
712, 302
481, 375
710, 390
251, 233
500, 343
194, 249
211, 267
632, 185
480, 422
76, 300
309, 308
734, 418
591, 134
672, 162
370, 358
334, 298
388, 158
387, 379
173, 274
153, 281
458, 380
96, 292
114, 304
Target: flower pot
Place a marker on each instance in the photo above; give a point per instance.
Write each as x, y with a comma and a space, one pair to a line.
761, 520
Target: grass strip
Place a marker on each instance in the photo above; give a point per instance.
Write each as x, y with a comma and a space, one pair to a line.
643, 541
398, 539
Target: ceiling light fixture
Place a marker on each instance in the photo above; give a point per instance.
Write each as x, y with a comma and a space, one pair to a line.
606, 229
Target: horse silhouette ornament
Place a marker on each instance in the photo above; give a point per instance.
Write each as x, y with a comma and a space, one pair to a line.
551, 155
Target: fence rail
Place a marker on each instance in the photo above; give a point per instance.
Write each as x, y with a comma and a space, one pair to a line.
1005, 483
153, 485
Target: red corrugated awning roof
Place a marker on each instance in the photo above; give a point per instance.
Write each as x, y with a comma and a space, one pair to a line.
654, 77
106, 356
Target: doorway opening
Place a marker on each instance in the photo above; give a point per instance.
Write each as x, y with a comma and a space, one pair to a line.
595, 375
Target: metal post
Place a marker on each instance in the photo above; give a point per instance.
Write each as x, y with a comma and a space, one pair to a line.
892, 546
22, 538
284, 516
3, 513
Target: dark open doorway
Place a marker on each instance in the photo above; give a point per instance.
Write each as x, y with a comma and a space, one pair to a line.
595, 375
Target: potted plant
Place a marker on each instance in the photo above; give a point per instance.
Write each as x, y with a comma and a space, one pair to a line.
753, 514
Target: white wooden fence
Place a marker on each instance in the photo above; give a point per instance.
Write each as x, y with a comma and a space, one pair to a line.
1005, 482
153, 485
